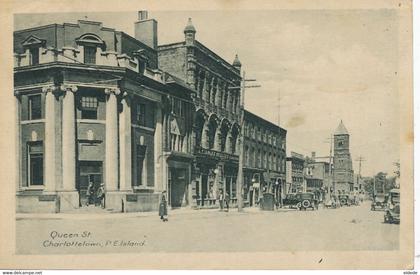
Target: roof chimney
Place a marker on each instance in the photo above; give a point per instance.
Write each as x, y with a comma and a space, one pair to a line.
313, 155
145, 30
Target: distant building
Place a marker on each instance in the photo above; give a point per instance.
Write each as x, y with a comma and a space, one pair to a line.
295, 177
318, 176
343, 166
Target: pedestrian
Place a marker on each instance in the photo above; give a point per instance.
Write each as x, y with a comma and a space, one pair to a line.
163, 208
100, 197
90, 192
227, 199
221, 202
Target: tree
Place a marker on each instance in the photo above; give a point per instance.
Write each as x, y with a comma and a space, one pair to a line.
382, 183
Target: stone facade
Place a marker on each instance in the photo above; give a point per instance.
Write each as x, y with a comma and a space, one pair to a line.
93, 108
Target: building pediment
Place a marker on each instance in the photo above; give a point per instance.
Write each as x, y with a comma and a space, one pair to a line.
33, 40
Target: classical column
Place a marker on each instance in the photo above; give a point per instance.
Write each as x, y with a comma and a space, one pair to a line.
49, 140
159, 164
111, 136
18, 153
125, 144
69, 138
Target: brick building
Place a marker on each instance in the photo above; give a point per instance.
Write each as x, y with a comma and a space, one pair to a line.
295, 173
264, 157
93, 107
216, 119
343, 165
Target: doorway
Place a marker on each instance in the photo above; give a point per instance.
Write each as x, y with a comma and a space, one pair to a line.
90, 172
177, 187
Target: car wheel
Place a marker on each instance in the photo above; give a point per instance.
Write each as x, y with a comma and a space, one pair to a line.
299, 206
306, 203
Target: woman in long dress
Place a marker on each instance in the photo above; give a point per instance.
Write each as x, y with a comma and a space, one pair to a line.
163, 207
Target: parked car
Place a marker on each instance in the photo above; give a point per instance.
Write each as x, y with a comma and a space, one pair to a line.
344, 200
379, 202
301, 201
392, 211
290, 200
392, 214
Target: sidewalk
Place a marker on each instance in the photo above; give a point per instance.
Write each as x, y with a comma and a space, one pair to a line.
112, 215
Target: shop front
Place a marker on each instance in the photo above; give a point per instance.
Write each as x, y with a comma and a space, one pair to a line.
215, 173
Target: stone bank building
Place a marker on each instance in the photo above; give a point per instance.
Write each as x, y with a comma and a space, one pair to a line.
95, 105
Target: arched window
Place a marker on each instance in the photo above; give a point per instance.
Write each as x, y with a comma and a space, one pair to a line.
90, 43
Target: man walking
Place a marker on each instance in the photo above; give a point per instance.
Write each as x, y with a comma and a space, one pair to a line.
227, 199
221, 200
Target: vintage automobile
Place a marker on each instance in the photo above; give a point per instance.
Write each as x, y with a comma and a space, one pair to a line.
301, 201
392, 214
344, 200
290, 200
379, 202
392, 211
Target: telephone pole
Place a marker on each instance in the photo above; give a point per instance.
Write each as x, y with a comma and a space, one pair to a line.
331, 182
359, 159
241, 137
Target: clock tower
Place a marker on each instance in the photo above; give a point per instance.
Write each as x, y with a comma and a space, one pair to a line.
343, 166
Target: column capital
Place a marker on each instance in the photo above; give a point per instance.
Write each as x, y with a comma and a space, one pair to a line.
115, 91
49, 89
68, 88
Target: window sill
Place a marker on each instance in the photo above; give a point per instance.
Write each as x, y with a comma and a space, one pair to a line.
33, 188
143, 127
143, 187
97, 121
32, 121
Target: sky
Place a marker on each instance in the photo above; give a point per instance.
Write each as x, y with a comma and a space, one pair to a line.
315, 68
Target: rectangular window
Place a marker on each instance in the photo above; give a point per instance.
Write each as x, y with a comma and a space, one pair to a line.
141, 114
177, 107
35, 164
89, 54
34, 107
34, 56
89, 107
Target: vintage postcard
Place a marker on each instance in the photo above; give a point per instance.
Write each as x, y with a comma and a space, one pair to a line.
226, 135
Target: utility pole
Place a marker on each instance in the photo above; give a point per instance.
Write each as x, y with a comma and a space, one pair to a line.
330, 179
374, 186
359, 159
241, 138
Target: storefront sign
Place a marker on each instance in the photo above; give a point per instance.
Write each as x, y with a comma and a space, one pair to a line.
216, 154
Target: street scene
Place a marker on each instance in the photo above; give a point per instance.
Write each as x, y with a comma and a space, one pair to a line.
130, 140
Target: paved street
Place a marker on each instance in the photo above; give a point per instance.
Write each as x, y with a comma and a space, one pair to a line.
347, 228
